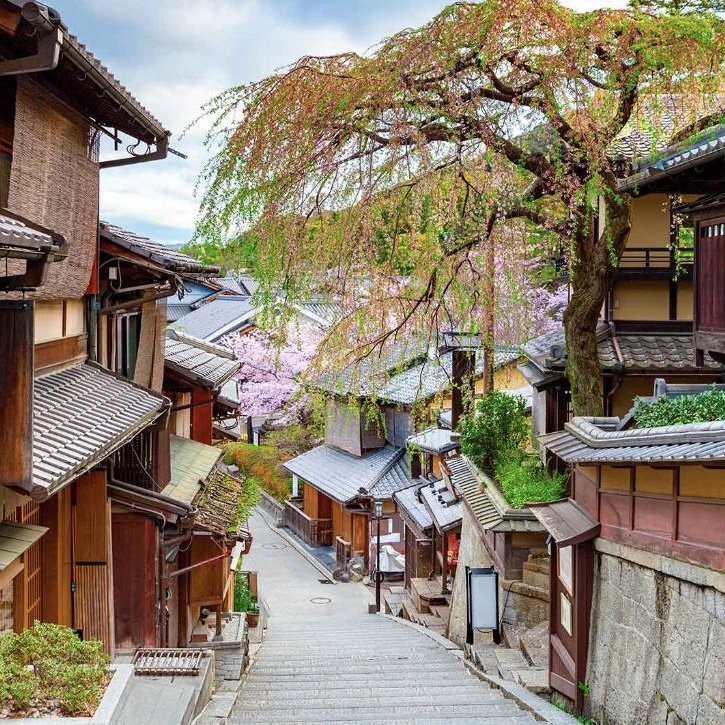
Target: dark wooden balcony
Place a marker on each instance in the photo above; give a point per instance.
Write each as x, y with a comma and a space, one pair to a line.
656, 263
315, 532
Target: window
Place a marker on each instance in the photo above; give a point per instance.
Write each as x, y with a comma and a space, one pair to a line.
128, 332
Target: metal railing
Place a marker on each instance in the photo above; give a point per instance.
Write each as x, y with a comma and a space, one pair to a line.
316, 532
656, 257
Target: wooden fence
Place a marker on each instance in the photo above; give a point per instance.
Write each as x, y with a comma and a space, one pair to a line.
316, 532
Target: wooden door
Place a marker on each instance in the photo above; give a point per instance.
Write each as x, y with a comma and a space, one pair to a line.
569, 612
91, 514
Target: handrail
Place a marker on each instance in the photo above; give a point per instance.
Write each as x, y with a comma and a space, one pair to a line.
656, 257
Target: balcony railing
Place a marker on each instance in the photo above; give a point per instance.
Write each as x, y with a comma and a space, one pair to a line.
656, 258
316, 532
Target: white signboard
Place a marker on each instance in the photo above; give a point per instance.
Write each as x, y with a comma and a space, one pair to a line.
483, 601
566, 575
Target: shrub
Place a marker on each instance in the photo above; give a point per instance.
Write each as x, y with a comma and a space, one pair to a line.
242, 596
48, 662
497, 430
702, 408
523, 479
293, 440
261, 466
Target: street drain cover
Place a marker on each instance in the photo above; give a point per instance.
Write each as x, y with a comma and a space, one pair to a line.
324, 581
320, 600
274, 546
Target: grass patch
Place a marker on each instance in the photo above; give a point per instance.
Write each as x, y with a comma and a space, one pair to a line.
523, 480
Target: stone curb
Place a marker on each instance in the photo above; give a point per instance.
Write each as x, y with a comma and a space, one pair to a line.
537, 706
280, 532
444, 642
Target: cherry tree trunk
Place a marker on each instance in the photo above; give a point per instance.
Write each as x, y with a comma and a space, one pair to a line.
592, 273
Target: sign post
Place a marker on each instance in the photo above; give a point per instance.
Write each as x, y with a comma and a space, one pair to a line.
482, 598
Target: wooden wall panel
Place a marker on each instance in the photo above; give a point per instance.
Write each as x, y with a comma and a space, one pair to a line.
91, 603
201, 416
342, 427
701, 523
135, 543
91, 524
207, 581
16, 393
653, 516
57, 562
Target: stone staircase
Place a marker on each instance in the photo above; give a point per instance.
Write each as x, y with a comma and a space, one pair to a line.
363, 668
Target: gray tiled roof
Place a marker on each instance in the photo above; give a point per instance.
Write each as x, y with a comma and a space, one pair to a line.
445, 510
80, 417
430, 377
224, 315
598, 440
656, 353
175, 311
341, 475
195, 360
21, 239
249, 284
492, 512
396, 477
230, 284
367, 376
229, 394
434, 440
412, 508
709, 146
155, 252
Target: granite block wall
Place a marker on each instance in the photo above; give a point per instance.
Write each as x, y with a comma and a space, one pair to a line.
657, 640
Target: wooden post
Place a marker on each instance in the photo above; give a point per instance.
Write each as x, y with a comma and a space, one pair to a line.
444, 564
16, 393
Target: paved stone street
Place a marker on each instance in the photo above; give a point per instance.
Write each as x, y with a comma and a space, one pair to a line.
325, 659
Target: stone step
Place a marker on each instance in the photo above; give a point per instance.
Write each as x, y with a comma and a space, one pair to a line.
494, 712
359, 671
319, 655
521, 719
370, 680
410, 687
310, 700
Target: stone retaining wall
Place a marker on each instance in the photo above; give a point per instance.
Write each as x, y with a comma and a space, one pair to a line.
657, 640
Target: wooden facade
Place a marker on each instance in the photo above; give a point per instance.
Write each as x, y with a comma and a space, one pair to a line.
676, 510
709, 275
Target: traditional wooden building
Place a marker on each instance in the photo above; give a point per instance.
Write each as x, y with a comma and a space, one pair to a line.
64, 413
648, 502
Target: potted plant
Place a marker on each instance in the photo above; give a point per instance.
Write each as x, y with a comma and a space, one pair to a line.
253, 615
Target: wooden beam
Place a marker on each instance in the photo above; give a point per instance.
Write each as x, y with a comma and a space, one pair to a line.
10, 572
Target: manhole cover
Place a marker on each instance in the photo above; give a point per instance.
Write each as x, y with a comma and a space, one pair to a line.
274, 546
321, 600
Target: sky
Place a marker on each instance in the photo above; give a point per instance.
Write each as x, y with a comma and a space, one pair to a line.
175, 55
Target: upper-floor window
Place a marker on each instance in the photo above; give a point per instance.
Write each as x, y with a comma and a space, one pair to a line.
128, 332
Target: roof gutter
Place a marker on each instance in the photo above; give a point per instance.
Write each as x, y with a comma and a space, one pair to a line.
49, 31
52, 39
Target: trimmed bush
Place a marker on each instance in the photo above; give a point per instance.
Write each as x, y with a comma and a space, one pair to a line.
701, 408
47, 664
